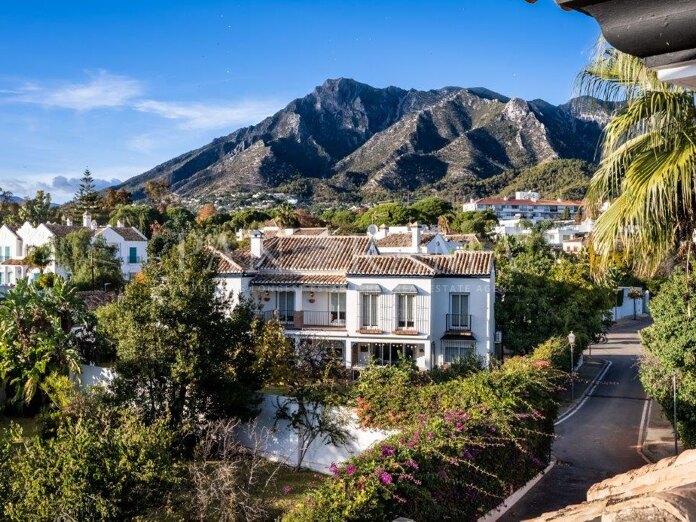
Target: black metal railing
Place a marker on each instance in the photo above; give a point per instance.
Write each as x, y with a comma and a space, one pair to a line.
323, 318
458, 322
286, 317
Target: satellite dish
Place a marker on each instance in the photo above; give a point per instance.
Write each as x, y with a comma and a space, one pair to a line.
372, 230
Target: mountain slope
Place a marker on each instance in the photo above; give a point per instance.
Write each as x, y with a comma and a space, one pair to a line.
346, 136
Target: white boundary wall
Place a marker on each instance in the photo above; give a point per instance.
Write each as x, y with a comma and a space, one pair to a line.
277, 442
281, 443
626, 309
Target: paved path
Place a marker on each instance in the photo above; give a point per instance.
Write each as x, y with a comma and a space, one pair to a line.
600, 439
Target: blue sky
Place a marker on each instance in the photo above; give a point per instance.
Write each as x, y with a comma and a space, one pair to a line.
120, 86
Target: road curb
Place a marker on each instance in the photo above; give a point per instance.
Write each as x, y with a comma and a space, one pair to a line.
583, 398
495, 513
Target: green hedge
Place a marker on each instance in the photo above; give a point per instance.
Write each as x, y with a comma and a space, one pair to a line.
557, 352
463, 445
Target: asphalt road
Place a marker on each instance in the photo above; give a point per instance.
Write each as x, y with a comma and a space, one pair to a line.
601, 438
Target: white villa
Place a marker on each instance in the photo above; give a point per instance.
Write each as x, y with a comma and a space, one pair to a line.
526, 205
369, 304
15, 244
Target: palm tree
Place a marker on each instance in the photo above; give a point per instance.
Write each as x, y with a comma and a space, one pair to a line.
39, 257
648, 167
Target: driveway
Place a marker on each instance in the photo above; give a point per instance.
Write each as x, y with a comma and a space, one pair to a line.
601, 438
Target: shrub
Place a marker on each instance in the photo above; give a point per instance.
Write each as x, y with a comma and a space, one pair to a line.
557, 352
93, 469
464, 445
670, 350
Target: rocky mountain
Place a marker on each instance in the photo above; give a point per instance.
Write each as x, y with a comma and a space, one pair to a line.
349, 137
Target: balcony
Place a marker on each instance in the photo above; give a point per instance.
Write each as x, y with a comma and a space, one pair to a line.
458, 322
306, 319
134, 260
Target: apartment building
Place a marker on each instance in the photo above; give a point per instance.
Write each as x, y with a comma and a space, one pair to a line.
527, 205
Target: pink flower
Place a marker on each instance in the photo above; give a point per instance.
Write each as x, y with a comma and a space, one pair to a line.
384, 477
350, 469
333, 468
387, 451
287, 489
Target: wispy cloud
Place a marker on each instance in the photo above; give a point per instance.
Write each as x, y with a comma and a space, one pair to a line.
210, 116
101, 90
104, 90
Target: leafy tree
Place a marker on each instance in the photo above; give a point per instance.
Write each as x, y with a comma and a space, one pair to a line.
648, 168
670, 350
314, 382
37, 337
9, 209
39, 257
91, 262
428, 210
181, 353
542, 296
342, 221
87, 198
104, 466
480, 223
249, 218
205, 213
37, 210
142, 217
285, 215
391, 214
114, 198
159, 193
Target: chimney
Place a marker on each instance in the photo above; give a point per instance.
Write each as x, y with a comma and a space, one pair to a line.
68, 221
87, 220
415, 237
120, 223
256, 243
93, 225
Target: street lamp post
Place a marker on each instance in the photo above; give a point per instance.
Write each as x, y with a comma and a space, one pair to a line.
571, 341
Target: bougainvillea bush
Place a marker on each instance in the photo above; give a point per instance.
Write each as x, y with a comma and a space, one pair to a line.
462, 447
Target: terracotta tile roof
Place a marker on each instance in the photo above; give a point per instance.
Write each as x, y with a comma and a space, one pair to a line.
235, 262
94, 299
528, 202
127, 233
314, 253
458, 264
310, 231
299, 279
462, 263
385, 264
403, 239
14, 262
462, 238
64, 230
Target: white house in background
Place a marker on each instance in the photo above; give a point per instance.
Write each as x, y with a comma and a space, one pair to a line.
276, 230
368, 304
564, 232
526, 205
412, 239
15, 244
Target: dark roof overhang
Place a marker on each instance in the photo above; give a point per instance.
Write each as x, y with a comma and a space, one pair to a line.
662, 32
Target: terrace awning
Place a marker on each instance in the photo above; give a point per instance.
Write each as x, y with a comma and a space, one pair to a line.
370, 289
406, 289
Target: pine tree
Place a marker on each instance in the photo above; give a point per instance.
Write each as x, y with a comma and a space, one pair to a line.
87, 199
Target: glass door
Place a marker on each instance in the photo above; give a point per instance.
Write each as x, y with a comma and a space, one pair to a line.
459, 311
337, 308
285, 302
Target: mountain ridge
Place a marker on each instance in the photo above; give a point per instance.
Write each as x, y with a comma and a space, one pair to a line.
347, 136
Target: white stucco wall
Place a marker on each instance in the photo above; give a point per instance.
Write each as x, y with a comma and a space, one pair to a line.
280, 442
